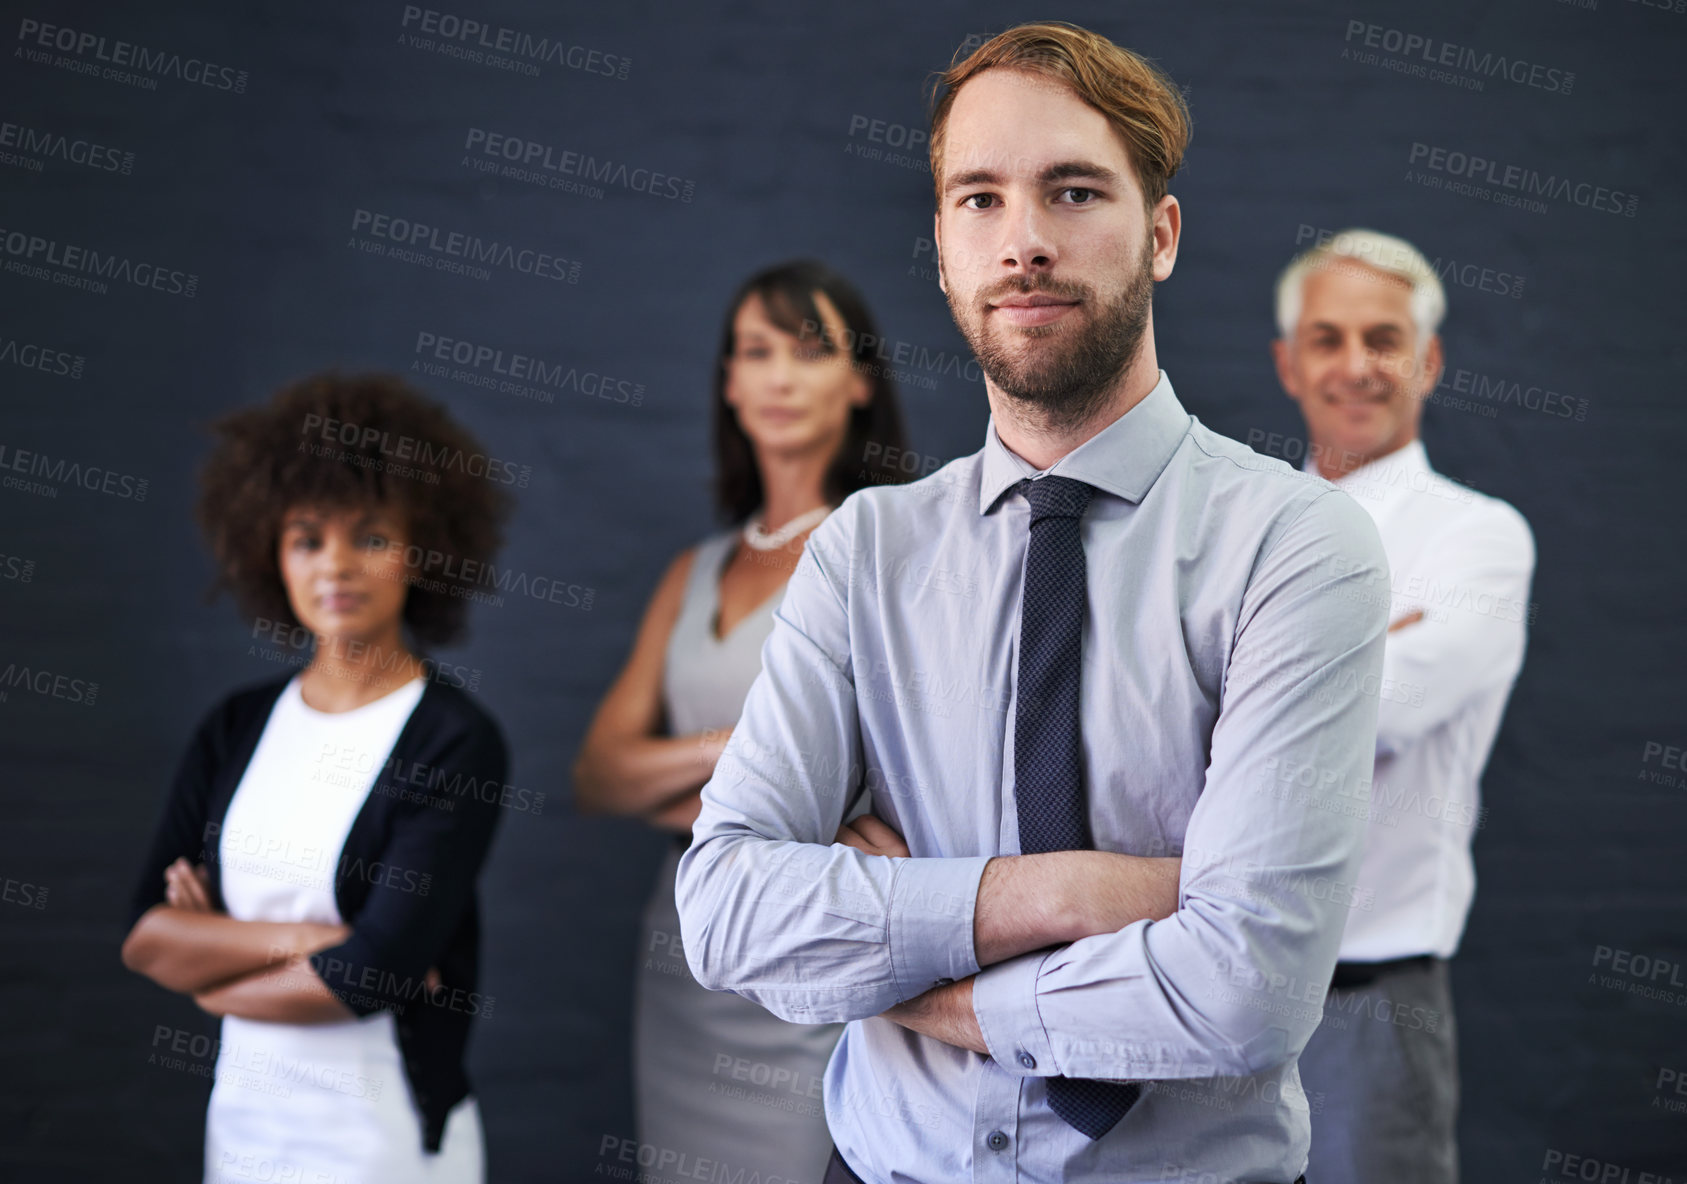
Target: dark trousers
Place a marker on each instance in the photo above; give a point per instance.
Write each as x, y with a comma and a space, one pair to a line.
1381, 1075
838, 1172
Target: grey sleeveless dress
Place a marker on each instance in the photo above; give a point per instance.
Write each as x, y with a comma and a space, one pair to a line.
716, 1076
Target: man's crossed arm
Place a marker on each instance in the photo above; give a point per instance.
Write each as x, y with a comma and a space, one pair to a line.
1027, 902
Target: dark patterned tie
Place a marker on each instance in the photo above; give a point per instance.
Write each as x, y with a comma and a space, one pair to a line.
1047, 761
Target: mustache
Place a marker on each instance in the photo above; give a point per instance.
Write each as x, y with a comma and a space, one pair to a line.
1026, 285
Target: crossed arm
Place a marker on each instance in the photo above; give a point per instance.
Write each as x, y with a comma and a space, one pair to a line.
1027, 902
1056, 949
257, 970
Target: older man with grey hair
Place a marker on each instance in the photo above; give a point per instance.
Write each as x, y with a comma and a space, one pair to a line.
1359, 351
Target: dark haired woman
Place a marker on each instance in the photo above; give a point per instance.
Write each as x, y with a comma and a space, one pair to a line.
312, 878
802, 418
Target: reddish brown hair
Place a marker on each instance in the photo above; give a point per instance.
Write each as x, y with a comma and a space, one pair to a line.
1141, 103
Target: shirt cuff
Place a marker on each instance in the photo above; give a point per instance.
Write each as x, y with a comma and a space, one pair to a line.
931, 904
1004, 1001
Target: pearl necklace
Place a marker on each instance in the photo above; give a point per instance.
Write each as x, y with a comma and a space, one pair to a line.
757, 538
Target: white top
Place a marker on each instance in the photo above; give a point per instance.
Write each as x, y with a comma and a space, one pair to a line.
319, 1101
1465, 560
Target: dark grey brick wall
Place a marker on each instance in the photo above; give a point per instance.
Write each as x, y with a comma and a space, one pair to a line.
252, 184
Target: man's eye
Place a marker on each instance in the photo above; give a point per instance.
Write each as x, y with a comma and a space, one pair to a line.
975, 197
1088, 195
376, 541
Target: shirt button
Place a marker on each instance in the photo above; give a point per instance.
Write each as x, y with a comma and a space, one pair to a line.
1029, 1061
944, 982
996, 1140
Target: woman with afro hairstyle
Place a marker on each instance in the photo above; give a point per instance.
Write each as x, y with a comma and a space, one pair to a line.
803, 417
312, 877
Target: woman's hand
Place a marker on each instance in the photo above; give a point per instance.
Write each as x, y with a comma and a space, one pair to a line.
188, 886
869, 834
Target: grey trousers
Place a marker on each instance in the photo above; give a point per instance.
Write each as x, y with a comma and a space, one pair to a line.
1381, 1074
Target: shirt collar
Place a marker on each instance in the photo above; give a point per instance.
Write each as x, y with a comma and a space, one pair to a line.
1385, 471
1122, 459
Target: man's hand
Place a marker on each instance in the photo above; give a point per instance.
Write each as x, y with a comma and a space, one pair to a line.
869, 834
1411, 618
943, 1013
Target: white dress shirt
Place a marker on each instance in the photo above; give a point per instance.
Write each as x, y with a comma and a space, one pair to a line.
1226, 634
1465, 561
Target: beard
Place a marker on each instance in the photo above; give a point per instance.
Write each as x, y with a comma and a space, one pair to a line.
1066, 384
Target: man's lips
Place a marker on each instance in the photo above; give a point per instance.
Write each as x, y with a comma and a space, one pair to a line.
1031, 309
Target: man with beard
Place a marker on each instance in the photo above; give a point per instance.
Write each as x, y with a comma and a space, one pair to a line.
1359, 352
1019, 792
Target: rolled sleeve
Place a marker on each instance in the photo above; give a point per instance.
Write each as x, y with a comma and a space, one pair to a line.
770, 907
1265, 883
1004, 1001
931, 906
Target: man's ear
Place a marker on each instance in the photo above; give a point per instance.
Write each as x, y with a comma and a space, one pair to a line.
1433, 360
1166, 225
1280, 357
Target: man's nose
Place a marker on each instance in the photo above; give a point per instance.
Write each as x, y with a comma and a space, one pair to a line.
1027, 240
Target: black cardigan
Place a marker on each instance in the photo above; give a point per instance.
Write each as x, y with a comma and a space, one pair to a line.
406, 876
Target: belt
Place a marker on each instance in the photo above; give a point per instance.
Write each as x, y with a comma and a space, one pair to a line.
839, 1172
1356, 974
